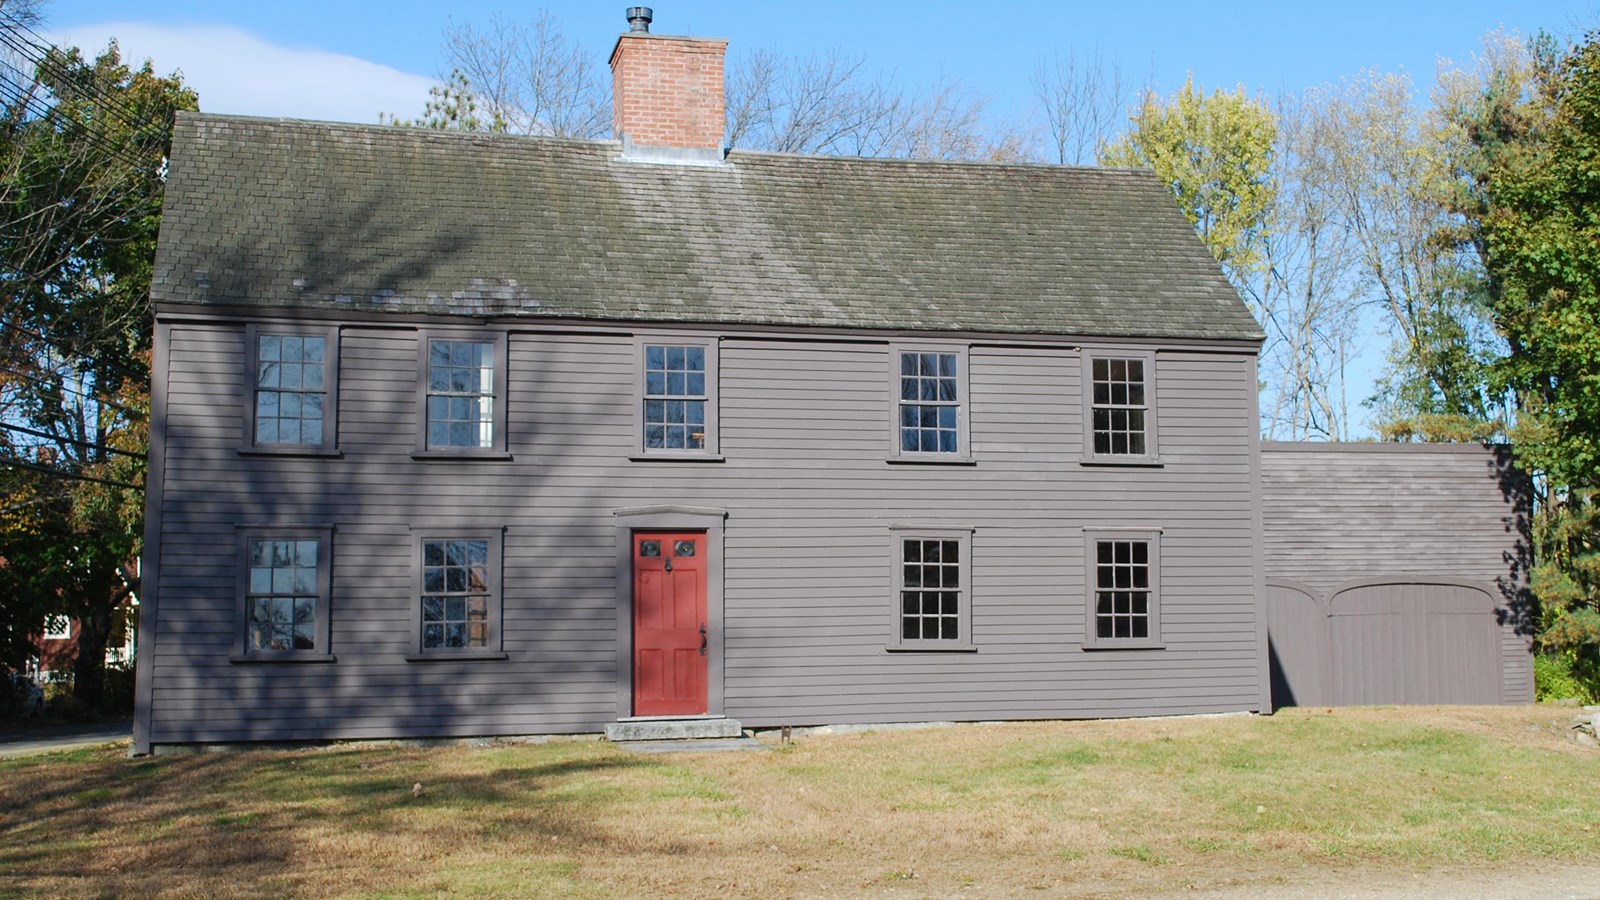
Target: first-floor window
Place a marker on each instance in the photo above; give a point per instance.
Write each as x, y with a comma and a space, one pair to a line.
1123, 576
285, 582
455, 599
932, 571
457, 607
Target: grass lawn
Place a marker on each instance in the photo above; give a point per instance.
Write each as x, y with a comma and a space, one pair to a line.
1118, 807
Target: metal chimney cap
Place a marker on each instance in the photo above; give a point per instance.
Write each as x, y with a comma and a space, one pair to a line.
639, 19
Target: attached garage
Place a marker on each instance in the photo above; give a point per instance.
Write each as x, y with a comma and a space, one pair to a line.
1384, 643
1396, 574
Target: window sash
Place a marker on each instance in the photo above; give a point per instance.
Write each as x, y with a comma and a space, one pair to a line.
283, 583
1119, 406
928, 411
1122, 587
460, 394
931, 578
675, 396
291, 397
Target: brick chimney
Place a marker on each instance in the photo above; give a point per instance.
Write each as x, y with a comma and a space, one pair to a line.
667, 93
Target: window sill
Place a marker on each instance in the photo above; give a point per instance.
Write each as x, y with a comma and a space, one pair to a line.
462, 455
458, 656
1124, 645
941, 647
678, 457
931, 460
280, 658
291, 451
1132, 462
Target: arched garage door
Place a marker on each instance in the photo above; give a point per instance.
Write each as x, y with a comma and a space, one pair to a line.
1414, 643
1383, 641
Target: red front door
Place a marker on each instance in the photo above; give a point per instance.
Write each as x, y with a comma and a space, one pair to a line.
669, 623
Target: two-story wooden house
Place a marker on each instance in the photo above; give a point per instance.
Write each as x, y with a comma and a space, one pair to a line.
460, 434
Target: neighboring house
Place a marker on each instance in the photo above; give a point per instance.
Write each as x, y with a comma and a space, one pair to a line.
56, 645
458, 434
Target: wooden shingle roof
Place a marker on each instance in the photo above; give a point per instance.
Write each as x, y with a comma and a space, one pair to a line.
289, 213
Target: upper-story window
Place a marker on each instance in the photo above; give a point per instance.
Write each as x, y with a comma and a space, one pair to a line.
293, 389
1121, 407
678, 397
930, 386
463, 394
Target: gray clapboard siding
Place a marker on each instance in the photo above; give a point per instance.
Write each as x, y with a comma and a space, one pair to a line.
805, 429
1426, 515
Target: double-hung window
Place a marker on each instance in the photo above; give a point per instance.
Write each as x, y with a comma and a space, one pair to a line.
456, 613
293, 396
932, 586
1124, 601
677, 385
463, 397
1120, 407
285, 577
930, 389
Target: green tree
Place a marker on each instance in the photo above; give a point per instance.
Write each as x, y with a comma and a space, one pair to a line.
1214, 151
1530, 193
83, 151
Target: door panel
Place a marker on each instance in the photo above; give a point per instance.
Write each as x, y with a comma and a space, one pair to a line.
669, 623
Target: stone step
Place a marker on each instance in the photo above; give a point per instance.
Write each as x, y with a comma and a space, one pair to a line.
673, 728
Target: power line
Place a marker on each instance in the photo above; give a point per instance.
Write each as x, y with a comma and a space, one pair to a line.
38, 53
67, 440
54, 344
61, 473
32, 46
40, 383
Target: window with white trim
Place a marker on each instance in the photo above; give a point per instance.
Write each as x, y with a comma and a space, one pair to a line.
57, 628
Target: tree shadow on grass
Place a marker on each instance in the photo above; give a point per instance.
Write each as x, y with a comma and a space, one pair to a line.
293, 821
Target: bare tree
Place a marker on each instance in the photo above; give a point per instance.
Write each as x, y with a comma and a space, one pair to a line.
529, 78
1306, 292
1085, 105
829, 104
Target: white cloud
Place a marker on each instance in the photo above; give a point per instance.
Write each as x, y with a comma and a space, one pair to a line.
237, 72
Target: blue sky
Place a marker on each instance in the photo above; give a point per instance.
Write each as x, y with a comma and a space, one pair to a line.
349, 61
990, 47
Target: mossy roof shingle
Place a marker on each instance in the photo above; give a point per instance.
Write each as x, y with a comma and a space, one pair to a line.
289, 213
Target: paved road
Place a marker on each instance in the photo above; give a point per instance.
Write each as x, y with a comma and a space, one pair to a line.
53, 738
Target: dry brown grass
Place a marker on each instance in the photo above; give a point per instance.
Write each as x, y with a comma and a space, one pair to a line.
1101, 808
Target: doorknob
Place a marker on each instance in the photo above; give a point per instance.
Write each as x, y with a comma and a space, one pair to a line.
702, 640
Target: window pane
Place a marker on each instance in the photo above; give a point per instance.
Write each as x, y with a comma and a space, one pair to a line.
655, 357
269, 345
